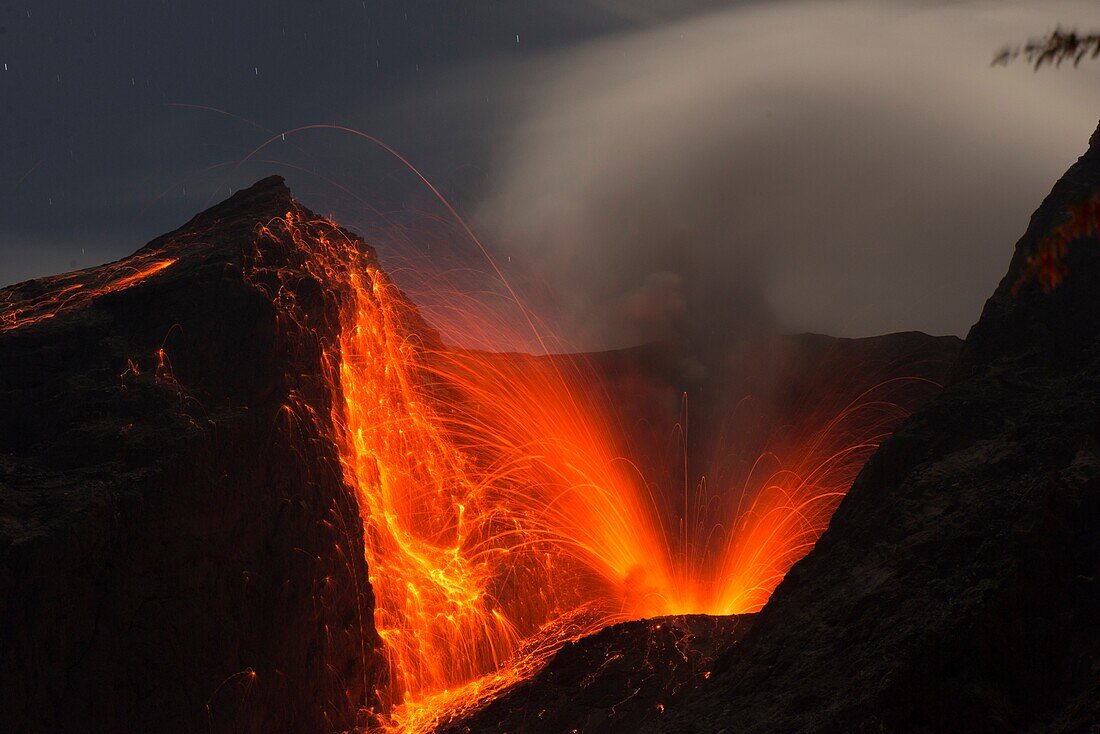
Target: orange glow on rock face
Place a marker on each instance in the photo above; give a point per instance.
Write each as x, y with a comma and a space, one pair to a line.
501, 520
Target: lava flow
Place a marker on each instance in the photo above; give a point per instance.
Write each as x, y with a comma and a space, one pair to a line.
499, 517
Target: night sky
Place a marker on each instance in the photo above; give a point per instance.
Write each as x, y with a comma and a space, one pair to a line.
848, 167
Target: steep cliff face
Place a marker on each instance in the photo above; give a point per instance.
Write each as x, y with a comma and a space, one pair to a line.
178, 551
958, 585
1054, 329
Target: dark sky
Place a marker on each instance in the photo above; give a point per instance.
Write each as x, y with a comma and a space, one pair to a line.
94, 155
850, 167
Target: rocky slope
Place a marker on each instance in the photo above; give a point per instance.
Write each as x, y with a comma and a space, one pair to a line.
178, 552
958, 585
615, 680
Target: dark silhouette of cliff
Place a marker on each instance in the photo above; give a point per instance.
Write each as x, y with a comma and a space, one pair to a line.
178, 552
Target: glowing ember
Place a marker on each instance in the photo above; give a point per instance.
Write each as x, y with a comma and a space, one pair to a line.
498, 515
40, 300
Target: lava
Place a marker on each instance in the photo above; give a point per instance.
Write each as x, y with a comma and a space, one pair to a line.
499, 516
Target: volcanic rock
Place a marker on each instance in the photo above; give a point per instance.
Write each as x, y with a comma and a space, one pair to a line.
614, 680
178, 550
957, 587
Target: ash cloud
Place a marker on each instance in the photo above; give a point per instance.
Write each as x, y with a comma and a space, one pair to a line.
852, 168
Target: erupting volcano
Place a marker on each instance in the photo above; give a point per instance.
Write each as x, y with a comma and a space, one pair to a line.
497, 498
248, 486
580, 392
500, 518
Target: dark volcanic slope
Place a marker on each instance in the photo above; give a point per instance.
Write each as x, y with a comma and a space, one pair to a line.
177, 549
614, 680
958, 585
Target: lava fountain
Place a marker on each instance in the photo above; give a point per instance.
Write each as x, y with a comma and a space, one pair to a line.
499, 516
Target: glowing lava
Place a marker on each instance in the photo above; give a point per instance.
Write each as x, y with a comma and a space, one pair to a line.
499, 517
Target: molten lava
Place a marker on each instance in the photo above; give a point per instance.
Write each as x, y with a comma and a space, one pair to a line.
499, 517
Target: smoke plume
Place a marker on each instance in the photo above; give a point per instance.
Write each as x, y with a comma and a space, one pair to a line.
850, 167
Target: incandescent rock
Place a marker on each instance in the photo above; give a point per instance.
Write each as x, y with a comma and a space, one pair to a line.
178, 551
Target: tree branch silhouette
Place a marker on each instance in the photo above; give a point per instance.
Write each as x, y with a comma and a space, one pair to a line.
1054, 49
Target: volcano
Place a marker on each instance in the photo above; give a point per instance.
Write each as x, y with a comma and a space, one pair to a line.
957, 587
217, 451
247, 487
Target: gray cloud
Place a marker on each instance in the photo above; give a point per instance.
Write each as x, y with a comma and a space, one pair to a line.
847, 167
683, 167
